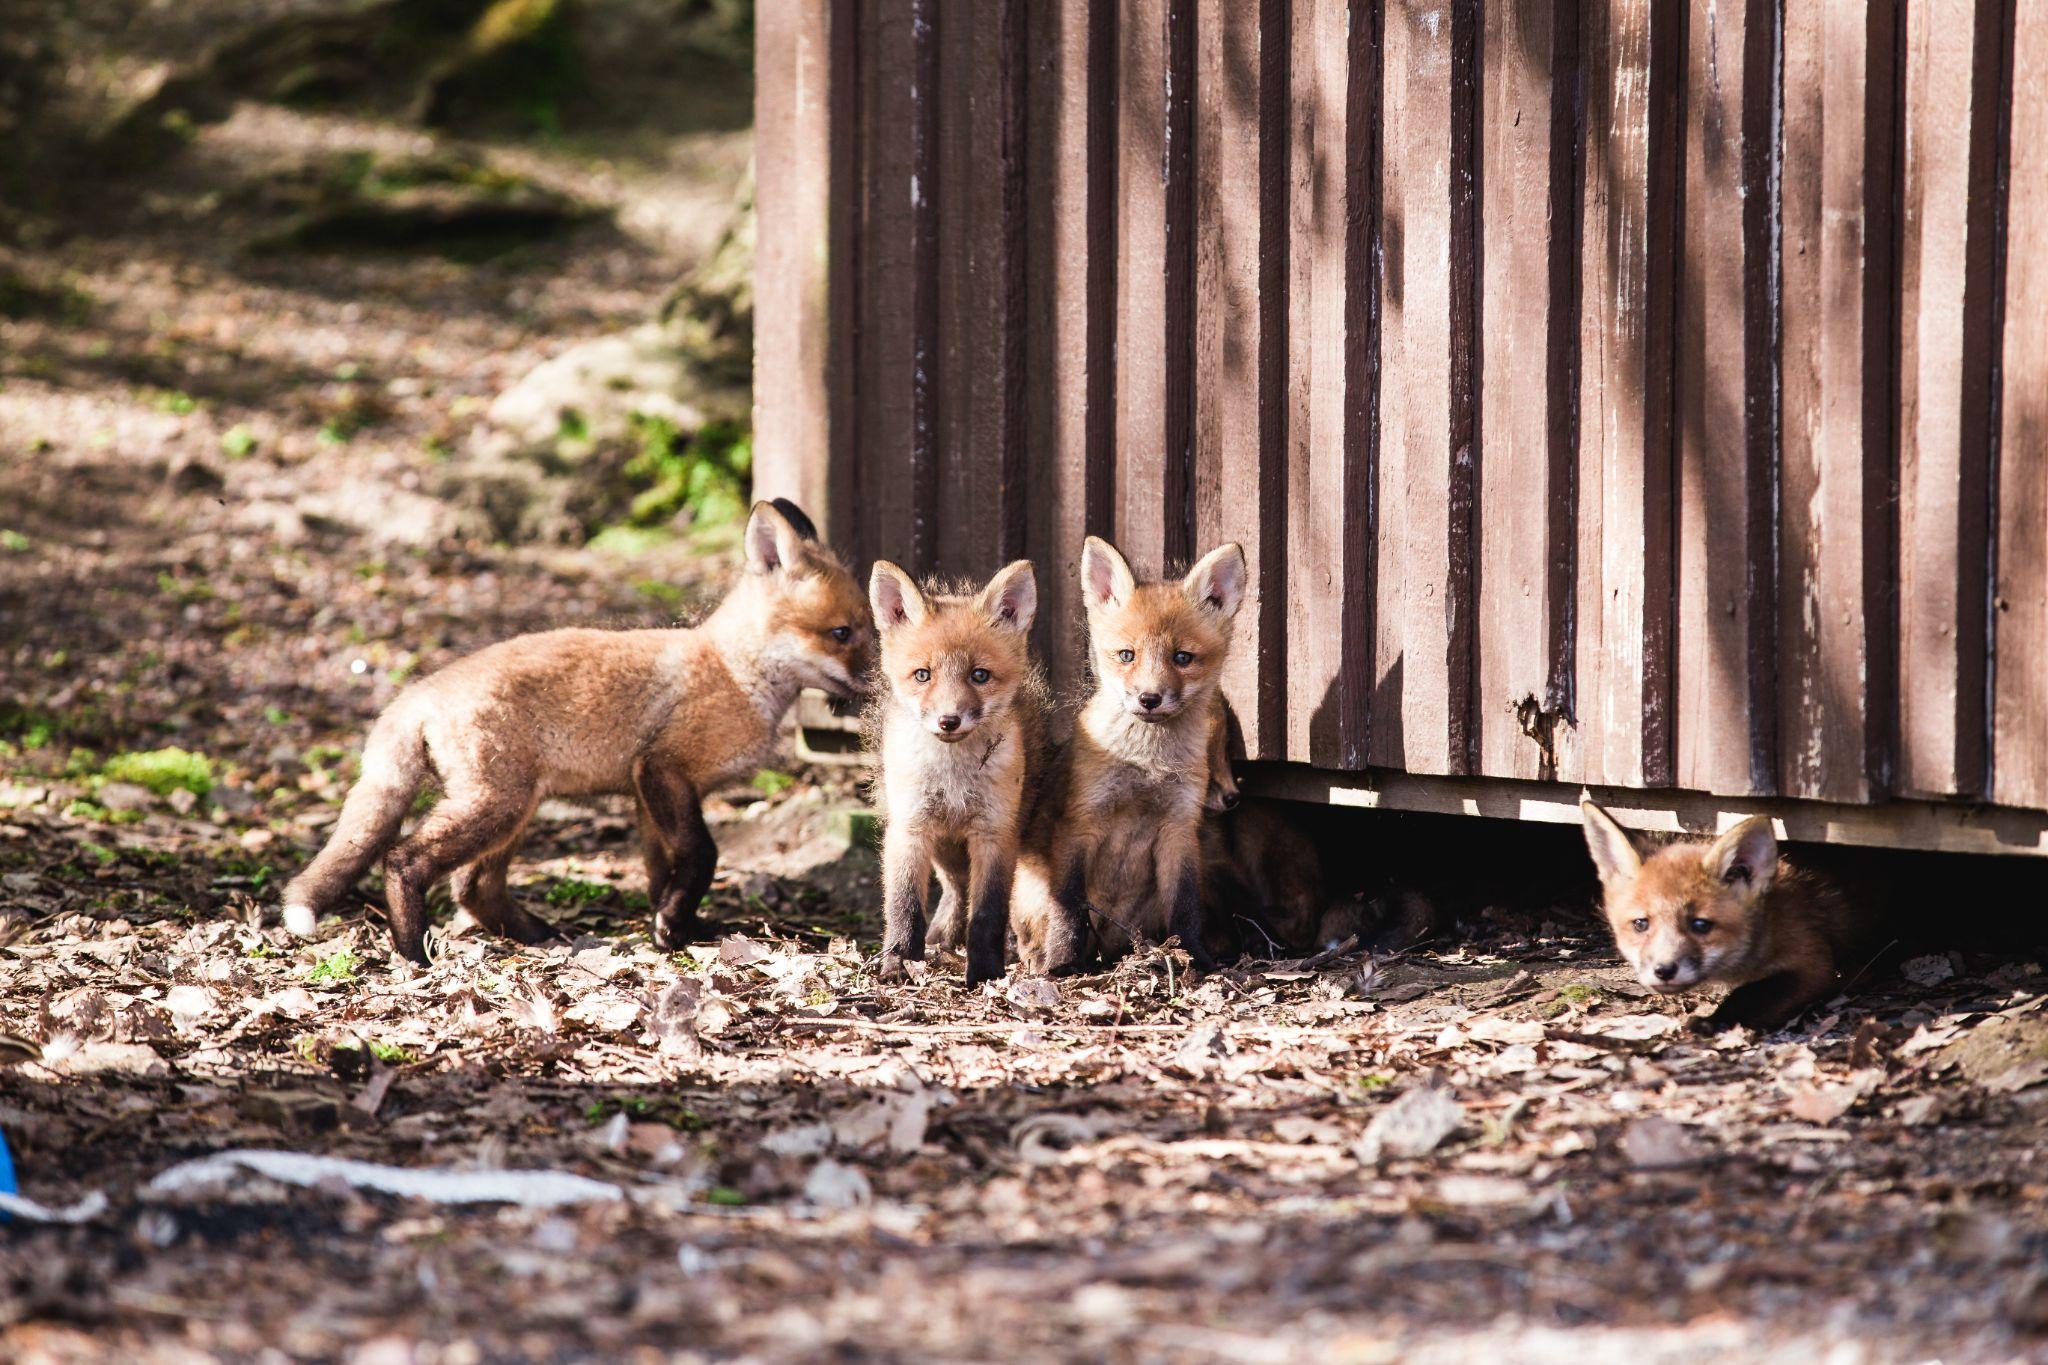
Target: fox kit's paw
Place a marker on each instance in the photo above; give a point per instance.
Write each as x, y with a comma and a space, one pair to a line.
983, 970
530, 929
670, 935
300, 919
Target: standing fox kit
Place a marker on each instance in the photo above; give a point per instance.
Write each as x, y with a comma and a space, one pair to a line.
1726, 911
1116, 846
663, 714
960, 730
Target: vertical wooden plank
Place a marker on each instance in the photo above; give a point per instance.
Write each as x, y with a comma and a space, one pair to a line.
1461, 535
1529, 333
1141, 275
1240, 337
1411, 726
885, 315
1332, 359
979, 288
1836, 373
1633, 60
1953, 70
1069, 202
795, 103
2020, 690
1726, 597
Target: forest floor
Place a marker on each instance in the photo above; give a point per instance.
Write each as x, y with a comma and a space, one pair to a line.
1495, 1146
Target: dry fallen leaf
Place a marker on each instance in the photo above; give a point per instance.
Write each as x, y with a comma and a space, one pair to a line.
1412, 1126
1654, 1144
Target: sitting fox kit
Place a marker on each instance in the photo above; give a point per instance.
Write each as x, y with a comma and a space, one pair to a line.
961, 723
1116, 847
663, 714
1728, 911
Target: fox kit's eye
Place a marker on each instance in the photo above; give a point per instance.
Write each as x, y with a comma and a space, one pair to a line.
980, 676
842, 633
1641, 926
1699, 925
1126, 655
1181, 658
923, 675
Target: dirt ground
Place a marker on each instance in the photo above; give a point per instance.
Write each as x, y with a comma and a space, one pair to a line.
1492, 1147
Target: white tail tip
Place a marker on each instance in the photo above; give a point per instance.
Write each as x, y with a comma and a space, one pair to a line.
299, 918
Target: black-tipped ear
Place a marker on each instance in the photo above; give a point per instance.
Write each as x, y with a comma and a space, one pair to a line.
772, 540
794, 515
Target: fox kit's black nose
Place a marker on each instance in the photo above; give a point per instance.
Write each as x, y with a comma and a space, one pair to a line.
1230, 800
1150, 700
1666, 970
949, 723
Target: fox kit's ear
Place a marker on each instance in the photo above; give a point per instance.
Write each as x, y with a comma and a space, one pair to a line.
1614, 853
896, 600
773, 541
1106, 576
1217, 583
1746, 857
796, 517
1011, 598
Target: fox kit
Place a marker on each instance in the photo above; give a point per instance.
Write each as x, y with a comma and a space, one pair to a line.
663, 714
960, 730
1728, 911
1119, 832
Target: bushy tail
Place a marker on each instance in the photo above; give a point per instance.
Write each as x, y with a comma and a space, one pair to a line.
394, 767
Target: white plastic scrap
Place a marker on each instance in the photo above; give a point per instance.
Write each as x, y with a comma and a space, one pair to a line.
528, 1189
84, 1211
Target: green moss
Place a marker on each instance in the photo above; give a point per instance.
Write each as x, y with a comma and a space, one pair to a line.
574, 891
13, 541
337, 968
238, 442
163, 771
706, 476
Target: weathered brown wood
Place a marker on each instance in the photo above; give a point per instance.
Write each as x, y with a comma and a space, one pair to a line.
1953, 71
1240, 337
1070, 272
979, 284
1331, 359
1633, 55
2020, 696
885, 317
1411, 725
1726, 391
797, 95
1527, 227
1837, 192
1141, 275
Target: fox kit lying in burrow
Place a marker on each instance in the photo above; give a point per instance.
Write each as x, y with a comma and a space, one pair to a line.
1115, 847
663, 714
960, 728
1264, 890
1727, 911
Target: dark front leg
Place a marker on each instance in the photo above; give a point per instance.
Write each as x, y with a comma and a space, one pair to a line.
988, 925
906, 883
1184, 916
681, 854
1066, 944
1768, 1005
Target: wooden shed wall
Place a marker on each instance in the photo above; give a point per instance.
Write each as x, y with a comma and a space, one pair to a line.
1645, 395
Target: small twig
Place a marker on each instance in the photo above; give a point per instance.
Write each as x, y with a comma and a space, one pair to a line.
940, 1030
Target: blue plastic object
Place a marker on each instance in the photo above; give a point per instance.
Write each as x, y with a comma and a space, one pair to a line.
6, 1172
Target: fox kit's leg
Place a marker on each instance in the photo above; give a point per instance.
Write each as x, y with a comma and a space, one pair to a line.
1179, 880
680, 846
464, 827
1066, 931
480, 889
906, 885
988, 928
949, 922
1771, 1003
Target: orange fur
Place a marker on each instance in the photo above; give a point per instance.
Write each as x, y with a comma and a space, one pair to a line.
1115, 850
663, 714
960, 728
1728, 911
